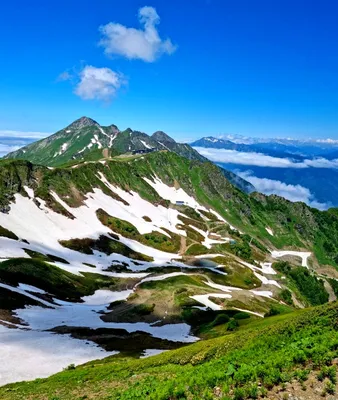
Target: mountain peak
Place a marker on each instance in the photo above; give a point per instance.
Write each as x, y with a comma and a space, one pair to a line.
82, 122
161, 136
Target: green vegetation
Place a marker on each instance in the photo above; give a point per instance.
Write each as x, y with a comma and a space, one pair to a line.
105, 245
253, 354
286, 296
53, 280
154, 239
237, 274
197, 249
8, 234
47, 257
295, 224
334, 285
309, 286
247, 362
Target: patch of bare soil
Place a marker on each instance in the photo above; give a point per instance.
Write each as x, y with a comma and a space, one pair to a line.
183, 248
7, 316
105, 153
328, 271
328, 288
132, 344
311, 389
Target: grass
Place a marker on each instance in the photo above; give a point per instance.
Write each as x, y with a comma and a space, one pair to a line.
310, 287
8, 234
197, 249
43, 257
170, 300
264, 354
295, 225
153, 239
104, 244
53, 280
237, 274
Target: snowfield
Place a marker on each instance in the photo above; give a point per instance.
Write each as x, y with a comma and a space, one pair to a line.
204, 299
27, 355
179, 195
31, 350
304, 255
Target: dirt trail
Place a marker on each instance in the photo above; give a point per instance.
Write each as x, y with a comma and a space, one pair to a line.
183, 247
296, 302
328, 287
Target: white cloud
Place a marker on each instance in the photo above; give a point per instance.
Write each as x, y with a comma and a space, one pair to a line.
22, 134
65, 76
5, 149
321, 163
290, 192
262, 160
144, 44
238, 157
98, 83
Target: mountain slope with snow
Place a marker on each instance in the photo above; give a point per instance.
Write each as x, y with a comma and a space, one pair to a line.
85, 139
142, 253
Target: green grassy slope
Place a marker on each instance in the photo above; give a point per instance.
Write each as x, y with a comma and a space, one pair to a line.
294, 224
237, 366
86, 140
54, 280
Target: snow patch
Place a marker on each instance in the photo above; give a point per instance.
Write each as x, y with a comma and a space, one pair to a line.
304, 255
270, 232
204, 299
145, 144
27, 355
29, 191
30, 288
151, 352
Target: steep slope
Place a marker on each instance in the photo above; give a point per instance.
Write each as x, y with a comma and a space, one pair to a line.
74, 141
297, 350
144, 253
85, 139
269, 218
181, 149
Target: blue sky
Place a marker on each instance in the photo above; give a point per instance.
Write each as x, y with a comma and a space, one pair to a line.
257, 68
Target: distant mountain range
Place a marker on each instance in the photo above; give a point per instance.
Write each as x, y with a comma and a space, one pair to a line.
297, 150
116, 241
298, 170
84, 135
87, 139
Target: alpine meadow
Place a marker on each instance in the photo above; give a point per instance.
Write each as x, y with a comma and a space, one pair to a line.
180, 241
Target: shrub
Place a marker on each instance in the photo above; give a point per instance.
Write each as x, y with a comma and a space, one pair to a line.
329, 388
327, 372
232, 325
220, 319
286, 296
273, 311
143, 309
70, 367
239, 393
282, 266
241, 315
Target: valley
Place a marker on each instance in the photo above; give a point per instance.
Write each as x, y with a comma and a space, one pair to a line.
128, 256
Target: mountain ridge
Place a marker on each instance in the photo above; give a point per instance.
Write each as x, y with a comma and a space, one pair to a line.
85, 138
102, 250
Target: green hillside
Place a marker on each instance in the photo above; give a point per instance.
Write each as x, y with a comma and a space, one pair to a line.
250, 341
295, 225
245, 364
86, 140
